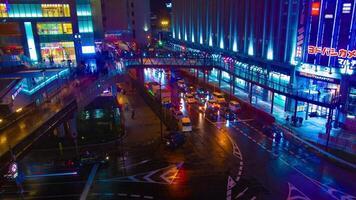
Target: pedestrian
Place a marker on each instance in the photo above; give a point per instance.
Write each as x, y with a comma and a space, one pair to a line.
133, 114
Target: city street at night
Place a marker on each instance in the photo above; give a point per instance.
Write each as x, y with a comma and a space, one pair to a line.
178, 99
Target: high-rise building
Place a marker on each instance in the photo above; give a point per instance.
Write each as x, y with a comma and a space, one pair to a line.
308, 45
47, 30
127, 17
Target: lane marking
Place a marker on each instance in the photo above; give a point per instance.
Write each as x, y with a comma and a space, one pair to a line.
90, 180
241, 193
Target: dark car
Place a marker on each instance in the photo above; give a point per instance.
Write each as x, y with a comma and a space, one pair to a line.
229, 115
272, 132
202, 93
212, 113
89, 158
175, 140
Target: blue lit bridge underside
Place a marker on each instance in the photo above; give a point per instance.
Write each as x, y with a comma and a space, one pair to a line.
205, 62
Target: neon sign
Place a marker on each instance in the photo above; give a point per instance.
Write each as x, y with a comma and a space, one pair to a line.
318, 77
332, 52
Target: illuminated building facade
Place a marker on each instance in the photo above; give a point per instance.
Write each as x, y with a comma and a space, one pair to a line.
308, 44
47, 30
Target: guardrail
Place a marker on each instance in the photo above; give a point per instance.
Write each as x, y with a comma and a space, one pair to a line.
166, 115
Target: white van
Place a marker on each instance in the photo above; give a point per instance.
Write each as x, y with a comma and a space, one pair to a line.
185, 125
219, 97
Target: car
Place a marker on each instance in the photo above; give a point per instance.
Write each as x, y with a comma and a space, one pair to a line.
229, 115
234, 106
213, 103
181, 84
191, 90
219, 97
212, 113
174, 140
177, 114
272, 132
189, 98
90, 158
185, 125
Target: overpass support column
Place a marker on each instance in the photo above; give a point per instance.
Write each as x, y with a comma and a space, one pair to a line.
272, 102
328, 126
307, 111
294, 122
233, 84
219, 78
250, 93
204, 76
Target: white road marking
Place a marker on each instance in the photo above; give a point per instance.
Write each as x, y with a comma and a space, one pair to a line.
148, 197
135, 164
90, 180
135, 195
147, 177
241, 193
122, 194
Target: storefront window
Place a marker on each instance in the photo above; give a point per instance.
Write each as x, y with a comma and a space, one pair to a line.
59, 51
352, 102
240, 83
3, 10
54, 28
55, 10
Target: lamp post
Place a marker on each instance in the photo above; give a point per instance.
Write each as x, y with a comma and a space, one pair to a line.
160, 104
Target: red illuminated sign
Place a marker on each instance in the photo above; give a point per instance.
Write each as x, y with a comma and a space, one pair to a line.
315, 8
332, 52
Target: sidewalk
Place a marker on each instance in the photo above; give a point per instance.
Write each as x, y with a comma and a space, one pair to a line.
145, 126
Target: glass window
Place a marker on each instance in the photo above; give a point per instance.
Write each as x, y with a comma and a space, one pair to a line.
55, 10
352, 102
3, 10
54, 28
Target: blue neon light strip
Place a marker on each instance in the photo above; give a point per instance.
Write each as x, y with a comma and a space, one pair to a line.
30, 41
41, 85
54, 174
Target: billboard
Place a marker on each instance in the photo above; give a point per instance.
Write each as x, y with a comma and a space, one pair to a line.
325, 35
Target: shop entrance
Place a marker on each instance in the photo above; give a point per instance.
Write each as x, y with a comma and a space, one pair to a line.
60, 52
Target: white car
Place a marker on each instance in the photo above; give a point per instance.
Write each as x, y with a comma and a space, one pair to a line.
190, 99
185, 125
